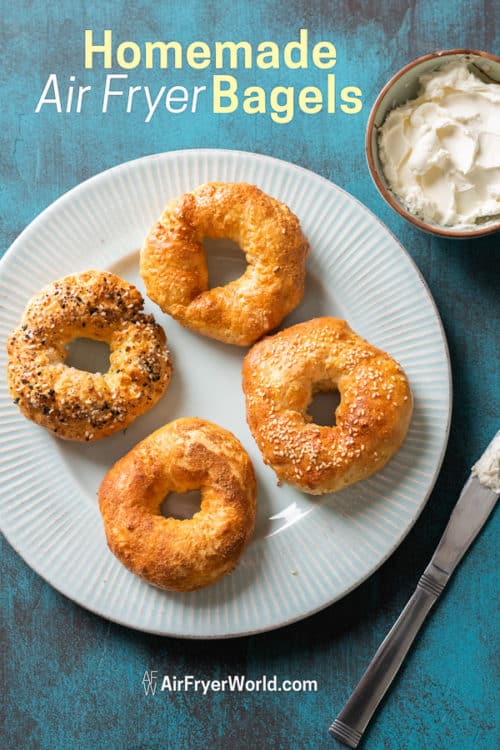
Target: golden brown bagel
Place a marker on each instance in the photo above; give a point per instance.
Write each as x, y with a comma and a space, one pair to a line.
181, 555
71, 403
174, 268
282, 373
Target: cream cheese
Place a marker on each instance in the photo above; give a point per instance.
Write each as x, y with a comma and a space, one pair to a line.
440, 152
487, 469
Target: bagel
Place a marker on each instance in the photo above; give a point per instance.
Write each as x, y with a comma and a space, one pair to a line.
282, 373
71, 403
174, 269
174, 554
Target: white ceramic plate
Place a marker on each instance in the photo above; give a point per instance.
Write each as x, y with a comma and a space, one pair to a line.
307, 552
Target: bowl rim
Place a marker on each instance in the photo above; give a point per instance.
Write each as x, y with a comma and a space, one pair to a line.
383, 189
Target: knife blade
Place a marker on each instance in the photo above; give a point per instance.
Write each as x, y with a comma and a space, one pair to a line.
476, 502
466, 521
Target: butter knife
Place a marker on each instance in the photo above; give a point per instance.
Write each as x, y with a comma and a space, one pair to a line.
469, 515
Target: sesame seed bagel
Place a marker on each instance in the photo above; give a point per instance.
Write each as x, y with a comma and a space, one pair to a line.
174, 267
282, 373
171, 553
71, 403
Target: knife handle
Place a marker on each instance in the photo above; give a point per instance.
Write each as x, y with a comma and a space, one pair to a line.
352, 721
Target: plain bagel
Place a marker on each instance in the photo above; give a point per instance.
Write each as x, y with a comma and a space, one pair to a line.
174, 268
171, 553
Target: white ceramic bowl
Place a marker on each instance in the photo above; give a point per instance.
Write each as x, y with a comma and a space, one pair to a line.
402, 87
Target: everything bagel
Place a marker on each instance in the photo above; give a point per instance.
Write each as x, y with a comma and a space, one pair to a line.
180, 555
71, 403
174, 268
282, 373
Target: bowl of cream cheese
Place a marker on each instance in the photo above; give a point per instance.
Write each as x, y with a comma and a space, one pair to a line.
433, 143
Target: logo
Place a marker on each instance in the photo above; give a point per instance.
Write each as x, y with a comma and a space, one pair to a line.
150, 682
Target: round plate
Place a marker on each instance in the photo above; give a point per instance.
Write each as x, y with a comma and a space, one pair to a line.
307, 551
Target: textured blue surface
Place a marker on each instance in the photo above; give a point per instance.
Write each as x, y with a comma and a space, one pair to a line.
73, 680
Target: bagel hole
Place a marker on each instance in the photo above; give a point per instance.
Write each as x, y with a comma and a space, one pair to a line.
323, 406
181, 505
225, 261
88, 355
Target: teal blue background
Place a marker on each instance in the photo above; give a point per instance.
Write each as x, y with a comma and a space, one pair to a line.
73, 680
